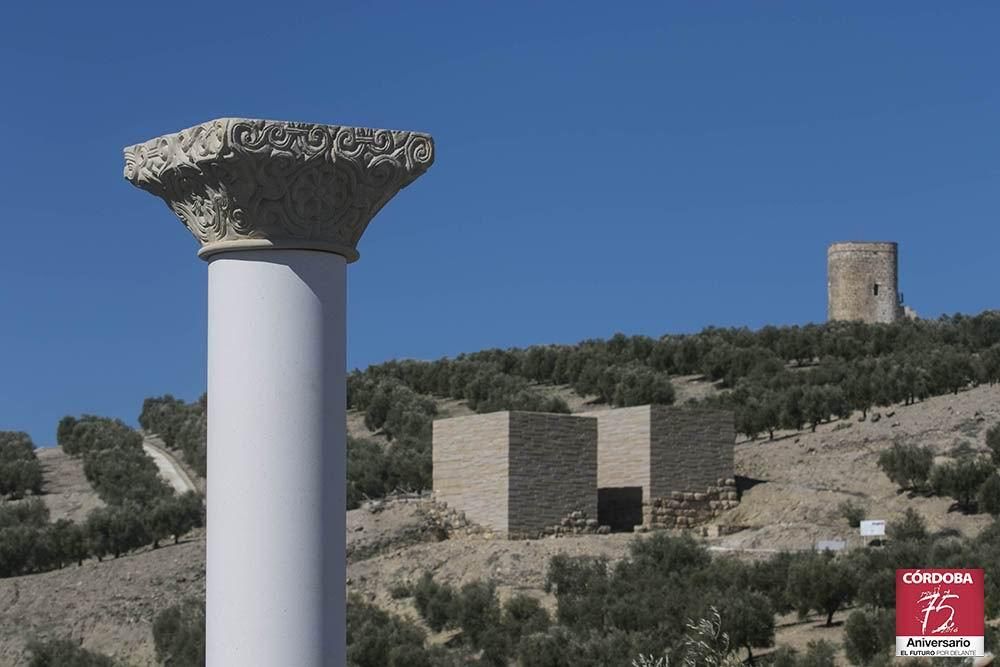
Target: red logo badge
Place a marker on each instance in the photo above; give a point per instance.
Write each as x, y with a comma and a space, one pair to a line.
939, 613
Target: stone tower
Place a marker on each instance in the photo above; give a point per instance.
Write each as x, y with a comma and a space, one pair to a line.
863, 282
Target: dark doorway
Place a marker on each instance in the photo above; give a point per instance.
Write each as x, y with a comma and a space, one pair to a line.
620, 507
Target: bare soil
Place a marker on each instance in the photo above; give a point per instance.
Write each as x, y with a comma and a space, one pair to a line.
108, 606
66, 491
794, 484
792, 487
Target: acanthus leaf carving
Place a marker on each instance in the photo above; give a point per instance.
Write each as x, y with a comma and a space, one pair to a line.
238, 181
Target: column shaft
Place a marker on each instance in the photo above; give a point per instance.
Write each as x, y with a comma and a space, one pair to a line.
276, 459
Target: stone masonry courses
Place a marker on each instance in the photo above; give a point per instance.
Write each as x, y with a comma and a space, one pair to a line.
519, 474
678, 463
526, 474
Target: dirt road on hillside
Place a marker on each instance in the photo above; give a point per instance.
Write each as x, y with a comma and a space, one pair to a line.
170, 469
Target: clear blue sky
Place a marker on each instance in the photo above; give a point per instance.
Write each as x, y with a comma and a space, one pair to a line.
652, 169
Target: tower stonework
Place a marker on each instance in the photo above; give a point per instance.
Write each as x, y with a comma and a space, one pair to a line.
863, 282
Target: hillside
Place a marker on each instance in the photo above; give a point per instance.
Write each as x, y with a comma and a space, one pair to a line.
793, 485
804, 476
823, 401
67, 493
108, 605
792, 488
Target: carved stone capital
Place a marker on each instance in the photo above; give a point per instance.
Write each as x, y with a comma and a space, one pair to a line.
241, 184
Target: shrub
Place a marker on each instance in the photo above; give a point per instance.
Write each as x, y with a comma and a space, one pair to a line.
989, 495
876, 578
20, 471
477, 610
911, 527
523, 615
399, 411
961, 480
374, 470
770, 577
17, 546
819, 653
366, 471
125, 475
642, 386
867, 634
853, 512
908, 466
581, 587
91, 433
179, 634
821, 583
181, 426
748, 620
174, 516
435, 602
376, 639
993, 442
32, 512
162, 415
64, 653
400, 590
113, 531
70, 542
784, 657
550, 649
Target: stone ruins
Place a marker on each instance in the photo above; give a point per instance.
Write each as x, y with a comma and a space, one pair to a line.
529, 474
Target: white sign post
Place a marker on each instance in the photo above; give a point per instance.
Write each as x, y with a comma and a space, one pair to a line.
875, 528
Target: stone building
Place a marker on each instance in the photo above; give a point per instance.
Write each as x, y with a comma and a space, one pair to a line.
863, 282
519, 474
664, 467
527, 474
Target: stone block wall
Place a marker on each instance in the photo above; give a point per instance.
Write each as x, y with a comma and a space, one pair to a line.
853, 271
517, 473
575, 523
471, 465
623, 447
675, 455
553, 470
684, 509
691, 448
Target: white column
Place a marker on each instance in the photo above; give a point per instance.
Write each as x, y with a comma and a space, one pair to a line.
276, 457
278, 209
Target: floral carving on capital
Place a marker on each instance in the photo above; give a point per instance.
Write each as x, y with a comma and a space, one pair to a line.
257, 183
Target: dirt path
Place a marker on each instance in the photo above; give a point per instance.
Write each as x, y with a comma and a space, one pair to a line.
169, 468
66, 491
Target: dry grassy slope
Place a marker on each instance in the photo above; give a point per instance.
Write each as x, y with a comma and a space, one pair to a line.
108, 606
67, 492
804, 476
807, 475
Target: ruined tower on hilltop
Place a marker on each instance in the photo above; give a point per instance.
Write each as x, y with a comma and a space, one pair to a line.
863, 282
